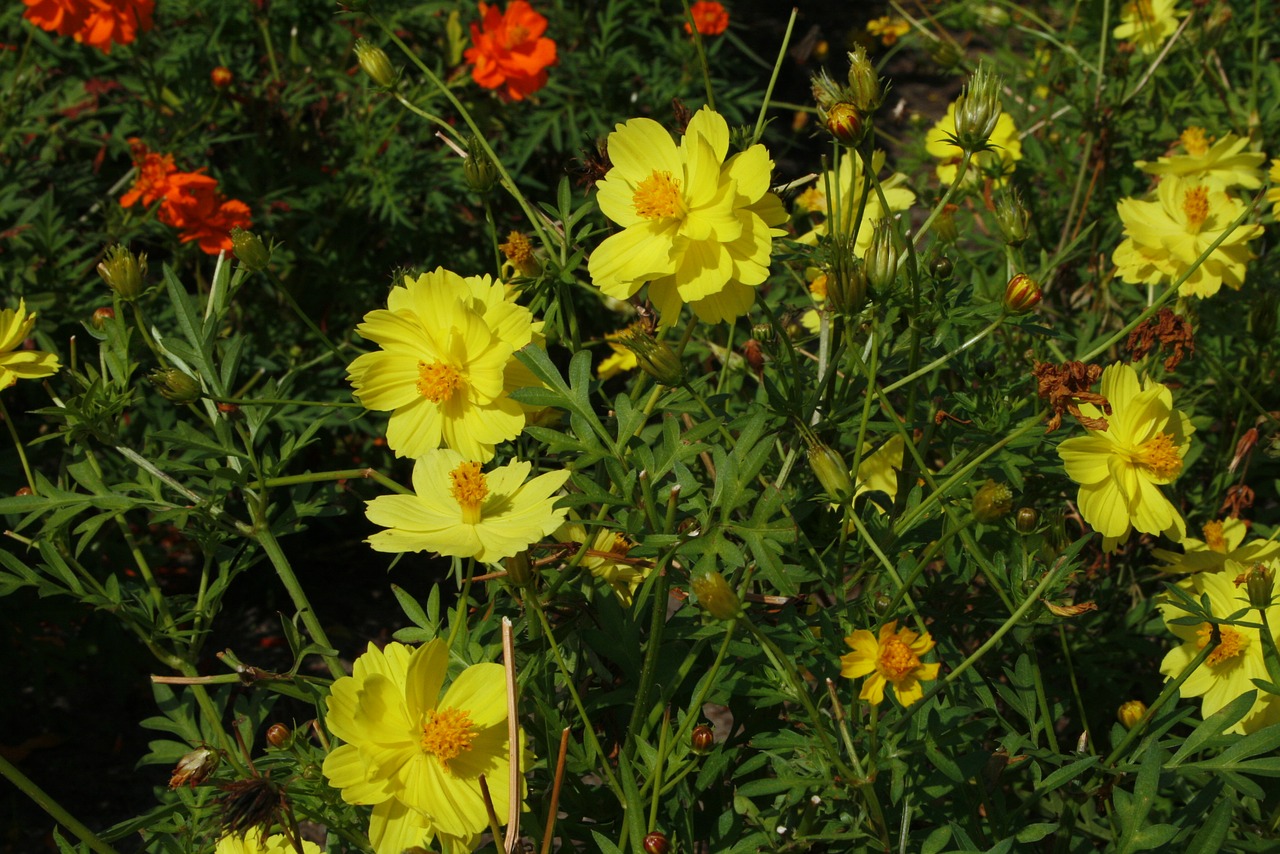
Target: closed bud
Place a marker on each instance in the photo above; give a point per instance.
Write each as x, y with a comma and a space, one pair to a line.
945, 53
1260, 584
846, 285
174, 385
881, 603
194, 768
763, 332
1130, 713
250, 251
376, 64
993, 501
716, 596
1021, 294
1012, 218
1027, 520
845, 122
702, 739
864, 84
831, 470
278, 735
478, 170
940, 269
102, 315
881, 260
23, 491
656, 843
221, 77
654, 357
826, 92
977, 109
518, 569
945, 225
124, 272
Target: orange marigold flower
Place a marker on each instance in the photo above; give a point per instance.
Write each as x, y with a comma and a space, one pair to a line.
202, 214
154, 172
709, 17
97, 23
509, 50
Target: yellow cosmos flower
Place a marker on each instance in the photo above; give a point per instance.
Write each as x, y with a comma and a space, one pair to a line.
892, 659
253, 843
1230, 669
1147, 23
1164, 238
1121, 469
996, 164
846, 183
1223, 541
607, 559
15, 362
446, 366
878, 472
1273, 195
888, 29
620, 360
459, 510
697, 228
417, 756
1224, 163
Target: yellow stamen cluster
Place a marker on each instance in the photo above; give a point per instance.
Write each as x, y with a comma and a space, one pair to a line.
437, 381
1159, 455
1213, 537
469, 489
1194, 141
1233, 643
657, 196
518, 249
1195, 204
896, 660
446, 734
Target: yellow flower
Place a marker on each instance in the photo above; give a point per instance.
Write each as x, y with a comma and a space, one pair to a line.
1223, 541
1120, 469
878, 472
253, 843
446, 366
1164, 238
996, 164
697, 228
1273, 195
607, 559
1230, 669
1147, 23
846, 183
417, 756
1224, 163
15, 362
622, 358
457, 509
893, 659
888, 29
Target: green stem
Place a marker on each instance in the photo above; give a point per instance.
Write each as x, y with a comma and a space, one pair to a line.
52, 807
17, 444
649, 670
946, 357
946, 197
266, 539
700, 48
773, 78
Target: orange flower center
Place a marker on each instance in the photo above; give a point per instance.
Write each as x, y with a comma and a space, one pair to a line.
897, 660
446, 734
1233, 643
469, 489
1194, 141
437, 381
1159, 455
1195, 204
818, 287
515, 36
1213, 537
658, 196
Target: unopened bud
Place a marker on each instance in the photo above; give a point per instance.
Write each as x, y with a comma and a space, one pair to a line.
250, 251
845, 122
221, 77
174, 385
654, 357
945, 53
977, 109
1260, 584
881, 260
656, 843
864, 83
478, 170
102, 315
941, 268
945, 225
831, 470
1012, 218
992, 501
278, 735
1021, 294
716, 596
1026, 520
519, 572
23, 491
194, 768
1130, 713
702, 739
846, 277
376, 64
123, 272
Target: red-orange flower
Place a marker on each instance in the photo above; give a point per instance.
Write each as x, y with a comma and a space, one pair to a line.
154, 171
709, 17
221, 77
97, 23
189, 201
510, 50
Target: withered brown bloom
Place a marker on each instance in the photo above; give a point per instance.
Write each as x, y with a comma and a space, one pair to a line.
254, 802
1065, 387
1167, 331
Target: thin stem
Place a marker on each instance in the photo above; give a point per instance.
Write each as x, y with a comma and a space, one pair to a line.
17, 444
946, 357
773, 78
52, 807
701, 50
284, 571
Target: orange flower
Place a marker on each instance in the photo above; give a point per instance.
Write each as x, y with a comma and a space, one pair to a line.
97, 23
510, 50
189, 201
221, 77
154, 171
709, 17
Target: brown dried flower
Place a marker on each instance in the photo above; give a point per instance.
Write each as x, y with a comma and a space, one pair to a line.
1065, 387
1167, 331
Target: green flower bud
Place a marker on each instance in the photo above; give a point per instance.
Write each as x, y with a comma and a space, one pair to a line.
174, 385
1012, 218
977, 109
1026, 520
716, 596
124, 272
831, 470
376, 64
1021, 294
1260, 584
655, 358
1130, 713
846, 277
864, 84
478, 170
250, 251
993, 501
881, 261
519, 571
941, 268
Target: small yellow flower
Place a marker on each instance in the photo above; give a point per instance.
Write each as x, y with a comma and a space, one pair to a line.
253, 843
846, 183
878, 472
996, 164
15, 362
1224, 162
607, 559
1223, 541
1147, 23
416, 755
892, 659
1230, 669
1165, 237
1120, 469
457, 509
620, 360
1273, 195
888, 29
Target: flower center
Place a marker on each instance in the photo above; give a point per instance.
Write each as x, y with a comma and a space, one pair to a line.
1159, 455
896, 660
469, 490
437, 381
1195, 204
1213, 537
1140, 10
1194, 141
516, 35
658, 196
1233, 643
818, 288
447, 733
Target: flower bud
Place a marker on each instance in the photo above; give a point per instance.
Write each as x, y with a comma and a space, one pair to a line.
941, 268
123, 272
102, 315
993, 501
278, 735
845, 122
945, 53
194, 768
221, 77
716, 596
654, 357
23, 492
174, 385
250, 251
977, 109
831, 470
945, 225
1012, 218
1260, 584
1026, 520
846, 277
881, 259
376, 64
1021, 294
826, 92
478, 170
519, 572
1130, 713
656, 843
864, 84
702, 739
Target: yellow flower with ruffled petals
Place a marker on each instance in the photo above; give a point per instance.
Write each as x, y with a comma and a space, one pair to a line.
15, 362
1165, 237
1224, 162
696, 228
996, 164
446, 366
1121, 469
256, 843
1147, 23
1230, 669
1223, 541
892, 659
416, 755
458, 509
1273, 195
